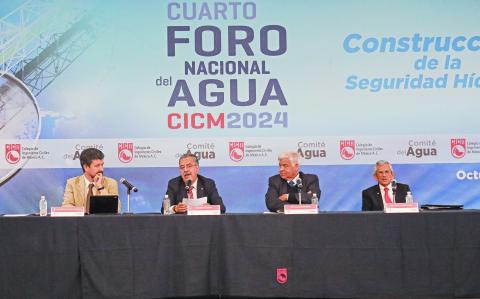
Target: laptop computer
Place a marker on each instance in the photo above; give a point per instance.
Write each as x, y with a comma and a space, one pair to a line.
102, 204
434, 207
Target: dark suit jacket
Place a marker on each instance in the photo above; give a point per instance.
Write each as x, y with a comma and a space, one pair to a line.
372, 197
205, 187
278, 186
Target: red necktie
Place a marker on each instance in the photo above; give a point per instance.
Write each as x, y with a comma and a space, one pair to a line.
386, 196
190, 192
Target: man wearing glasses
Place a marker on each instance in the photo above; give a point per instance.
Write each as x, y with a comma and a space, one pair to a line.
191, 185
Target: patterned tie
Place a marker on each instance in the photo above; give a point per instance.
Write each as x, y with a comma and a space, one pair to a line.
386, 196
89, 194
190, 192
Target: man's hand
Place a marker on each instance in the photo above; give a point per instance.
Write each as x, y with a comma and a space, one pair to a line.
180, 208
97, 181
283, 197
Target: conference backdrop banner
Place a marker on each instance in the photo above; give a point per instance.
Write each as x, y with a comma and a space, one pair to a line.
343, 83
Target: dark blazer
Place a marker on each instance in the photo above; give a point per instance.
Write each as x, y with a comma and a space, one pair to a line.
205, 187
278, 186
372, 197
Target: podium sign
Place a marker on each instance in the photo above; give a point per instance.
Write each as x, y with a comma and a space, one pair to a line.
401, 207
204, 210
67, 211
300, 209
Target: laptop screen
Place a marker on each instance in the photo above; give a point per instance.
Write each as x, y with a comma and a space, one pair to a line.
103, 204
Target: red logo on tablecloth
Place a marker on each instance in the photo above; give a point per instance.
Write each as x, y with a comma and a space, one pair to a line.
125, 152
282, 275
236, 150
12, 153
347, 149
458, 147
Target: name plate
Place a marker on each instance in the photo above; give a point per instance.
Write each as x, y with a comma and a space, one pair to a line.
401, 207
300, 209
204, 210
67, 211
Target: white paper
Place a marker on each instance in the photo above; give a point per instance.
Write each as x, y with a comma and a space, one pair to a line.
15, 215
195, 201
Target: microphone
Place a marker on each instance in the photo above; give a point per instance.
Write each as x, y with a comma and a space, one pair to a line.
188, 183
394, 186
128, 185
299, 183
394, 190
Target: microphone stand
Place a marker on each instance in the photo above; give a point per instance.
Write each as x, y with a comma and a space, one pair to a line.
128, 202
299, 196
299, 184
394, 190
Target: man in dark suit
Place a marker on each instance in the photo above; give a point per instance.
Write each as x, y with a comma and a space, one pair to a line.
375, 197
198, 186
283, 188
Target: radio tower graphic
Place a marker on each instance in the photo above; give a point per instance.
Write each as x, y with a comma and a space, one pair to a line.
38, 41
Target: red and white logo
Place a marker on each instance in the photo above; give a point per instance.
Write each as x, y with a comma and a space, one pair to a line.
236, 150
12, 153
347, 149
458, 147
282, 275
125, 152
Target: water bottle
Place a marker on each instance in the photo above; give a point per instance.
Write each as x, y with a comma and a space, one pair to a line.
409, 197
315, 199
166, 205
42, 204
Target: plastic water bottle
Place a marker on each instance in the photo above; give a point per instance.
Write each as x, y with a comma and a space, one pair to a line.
315, 199
42, 204
166, 205
409, 197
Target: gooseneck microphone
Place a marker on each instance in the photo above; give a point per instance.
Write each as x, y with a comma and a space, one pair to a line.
128, 185
394, 186
299, 183
394, 189
188, 183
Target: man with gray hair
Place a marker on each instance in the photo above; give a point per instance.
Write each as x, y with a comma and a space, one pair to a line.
375, 197
284, 187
